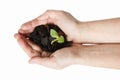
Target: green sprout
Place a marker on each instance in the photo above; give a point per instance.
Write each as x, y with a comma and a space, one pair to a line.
54, 34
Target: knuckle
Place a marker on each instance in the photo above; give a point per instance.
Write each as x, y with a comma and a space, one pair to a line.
31, 52
54, 12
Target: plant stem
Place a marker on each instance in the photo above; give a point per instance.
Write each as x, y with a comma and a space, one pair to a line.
54, 41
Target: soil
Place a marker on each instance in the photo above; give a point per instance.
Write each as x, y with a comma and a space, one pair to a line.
41, 36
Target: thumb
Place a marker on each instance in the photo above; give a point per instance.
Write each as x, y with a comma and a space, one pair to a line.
38, 60
46, 61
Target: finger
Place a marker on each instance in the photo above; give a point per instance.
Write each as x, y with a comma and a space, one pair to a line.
44, 16
47, 17
34, 46
39, 60
29, 26
45, 20
51, 14
45, 54
25, 46
47, 62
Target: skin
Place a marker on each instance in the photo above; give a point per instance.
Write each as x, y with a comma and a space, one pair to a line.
56, 60
101, 31
103, 55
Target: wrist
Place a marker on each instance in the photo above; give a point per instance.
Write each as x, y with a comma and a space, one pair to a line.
81, 32
79, 55
85, 54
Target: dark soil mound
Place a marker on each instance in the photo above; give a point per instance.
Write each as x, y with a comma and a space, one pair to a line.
41, 36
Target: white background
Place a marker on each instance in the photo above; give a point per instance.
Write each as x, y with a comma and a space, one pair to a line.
13, 61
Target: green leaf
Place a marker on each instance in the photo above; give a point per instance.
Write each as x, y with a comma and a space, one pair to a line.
54, 33
61, 39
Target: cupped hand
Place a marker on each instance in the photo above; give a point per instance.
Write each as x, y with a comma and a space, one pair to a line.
64, 20
59, 59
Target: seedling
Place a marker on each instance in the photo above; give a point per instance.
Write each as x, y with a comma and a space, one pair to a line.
57, 38
49, 37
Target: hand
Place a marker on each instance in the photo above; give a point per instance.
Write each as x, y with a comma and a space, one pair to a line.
57, 60
64, 20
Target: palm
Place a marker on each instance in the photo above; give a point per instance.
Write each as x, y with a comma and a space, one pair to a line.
62, 57
59, 59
